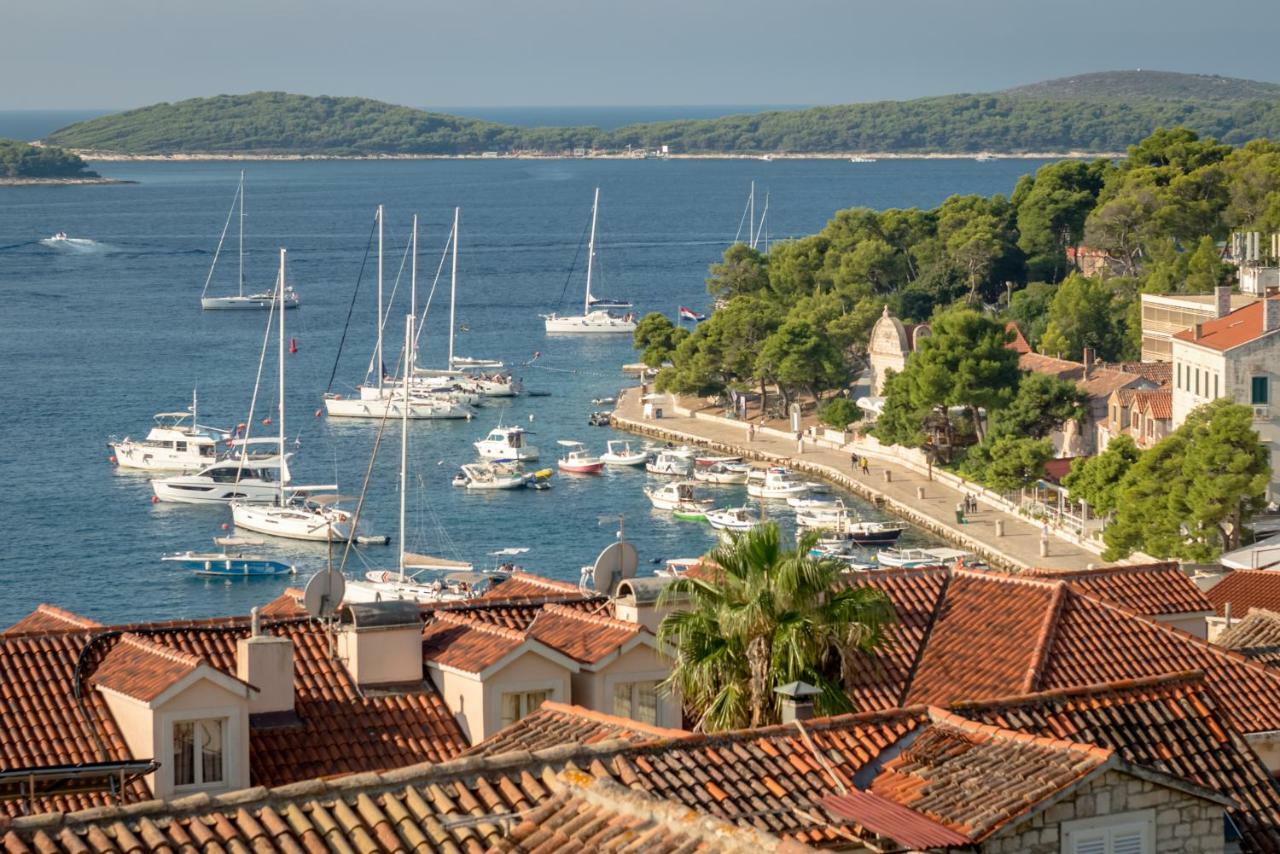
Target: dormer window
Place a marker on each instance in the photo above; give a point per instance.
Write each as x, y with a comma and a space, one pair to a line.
197, 752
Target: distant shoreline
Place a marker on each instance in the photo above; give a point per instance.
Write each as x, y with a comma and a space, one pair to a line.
113, 157
55, 182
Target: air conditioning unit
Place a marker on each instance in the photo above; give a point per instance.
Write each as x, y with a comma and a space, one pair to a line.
1261, 412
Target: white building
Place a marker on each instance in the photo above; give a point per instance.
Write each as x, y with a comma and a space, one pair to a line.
1236, 356
1165, 315
890, 344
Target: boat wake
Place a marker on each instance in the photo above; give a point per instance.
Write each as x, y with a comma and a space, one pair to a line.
75, 244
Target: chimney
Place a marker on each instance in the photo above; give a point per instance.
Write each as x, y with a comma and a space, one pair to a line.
797, 701
1197, 331
1271, 311
1221, 300
381, 642
266, 663
1088, 360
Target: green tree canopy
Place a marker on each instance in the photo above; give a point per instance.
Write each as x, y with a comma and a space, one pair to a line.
1096, 480
743, 271
766, 617
1083, 314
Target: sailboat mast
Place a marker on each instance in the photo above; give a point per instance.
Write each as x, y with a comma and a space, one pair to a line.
751, 217
378, 358
591, 253
195, 417
413, 272
404, 433
242, 233
280, 292
453, 288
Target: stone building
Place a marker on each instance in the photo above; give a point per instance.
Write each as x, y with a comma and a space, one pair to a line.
892, 341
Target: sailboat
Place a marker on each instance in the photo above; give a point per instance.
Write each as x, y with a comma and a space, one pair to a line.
593, 319
410, 581
240, 301
756, 233
458, 370
379, 400
293, 515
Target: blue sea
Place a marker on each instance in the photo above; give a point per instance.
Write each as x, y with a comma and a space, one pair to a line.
93, 343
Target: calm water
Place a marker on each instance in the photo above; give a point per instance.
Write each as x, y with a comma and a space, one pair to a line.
93, 343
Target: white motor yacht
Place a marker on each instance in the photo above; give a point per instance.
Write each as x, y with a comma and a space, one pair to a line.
733, 518
620, 453
507, 443
255, 479
723, 473
672, 462
775, 482
593, 320
175, 443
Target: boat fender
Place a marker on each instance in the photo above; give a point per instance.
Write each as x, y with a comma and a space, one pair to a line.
112, 459
155, 499
318, 411
266, 421
224, 526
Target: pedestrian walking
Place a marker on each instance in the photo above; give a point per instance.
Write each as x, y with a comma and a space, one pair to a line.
799, 442
853, 461
751, 431
960, 520
862, 464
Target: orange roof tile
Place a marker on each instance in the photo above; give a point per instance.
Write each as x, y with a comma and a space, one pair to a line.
1156, 404
451, 640
526, 585
51, 618
1099, 382
586, 638
1151, 589
143, 670
1231, 330
560, 723
1246, 589
1018, 343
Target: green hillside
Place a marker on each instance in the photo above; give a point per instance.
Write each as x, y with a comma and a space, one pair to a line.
1093, 112
20, 160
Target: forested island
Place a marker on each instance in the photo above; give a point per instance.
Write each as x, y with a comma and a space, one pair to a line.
795, 324
22, 162
1092, 113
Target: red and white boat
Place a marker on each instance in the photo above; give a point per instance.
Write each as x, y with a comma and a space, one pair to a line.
578, 460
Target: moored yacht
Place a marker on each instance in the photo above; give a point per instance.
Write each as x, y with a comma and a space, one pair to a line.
507, 443
175, 443
253, 478
593, 319
241, 301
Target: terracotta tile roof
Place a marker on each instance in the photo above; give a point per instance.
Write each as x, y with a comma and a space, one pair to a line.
51, 618
1172, 724
1002, 773
586, 638
517, 614
1246, 589
995, 635
1259, 628
1232, 330
40, 722
1058, 468
526, 585
881, 679
987, 640
773, 779
1151, 589
1160, 373
465, 644
1157, 403
1018, 344
882, 817
288, 605
143, 670
1100, 381
560, 723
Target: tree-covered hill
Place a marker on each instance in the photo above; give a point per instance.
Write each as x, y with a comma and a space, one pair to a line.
1092, 113
20, 160
1142, 84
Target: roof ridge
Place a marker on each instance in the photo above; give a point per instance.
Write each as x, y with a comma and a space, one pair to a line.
67, 616
480, 626
151, 647
593, 618
1112, 569
1044, 640
1008, 578
991, 731
605, 717
1159, 682
926, 635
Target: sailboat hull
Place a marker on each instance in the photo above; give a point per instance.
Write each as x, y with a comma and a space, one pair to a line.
340, 407
257, 302
589, 325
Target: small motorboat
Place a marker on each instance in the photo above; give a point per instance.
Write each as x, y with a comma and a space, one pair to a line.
223, 563
861, 532
677, 567
671, 462
909, 558
733, 518
822, 514
491, 476
540, 479
577, 459
507, 443
723, 473
620, 453
603, 401
599, 419
807, 504
679, 496
775, 482
705, 460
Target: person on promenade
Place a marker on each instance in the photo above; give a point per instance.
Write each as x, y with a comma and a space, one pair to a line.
960, 520
862, 464
799, 442
751, 431
853, 461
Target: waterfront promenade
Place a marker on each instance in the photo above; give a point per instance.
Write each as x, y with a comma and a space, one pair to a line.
892, 486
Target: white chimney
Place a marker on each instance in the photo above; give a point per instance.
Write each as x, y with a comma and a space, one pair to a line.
1221, 300
266, 663
381, 643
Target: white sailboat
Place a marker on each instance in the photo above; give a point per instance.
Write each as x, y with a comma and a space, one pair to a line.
592, 320
292, 515
176, 443
756, 231
410, 580
240, 301
379, 400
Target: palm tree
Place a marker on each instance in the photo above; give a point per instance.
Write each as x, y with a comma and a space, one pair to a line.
768, 616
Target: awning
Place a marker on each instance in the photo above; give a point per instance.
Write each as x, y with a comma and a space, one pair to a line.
417, 561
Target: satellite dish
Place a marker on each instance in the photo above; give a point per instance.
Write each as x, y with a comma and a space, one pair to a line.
615, 564
324, 593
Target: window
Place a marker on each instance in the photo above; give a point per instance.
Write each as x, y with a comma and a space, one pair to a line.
521, 703
1179, 382
1124, 833
1197, 382
197, 752
1259, 391
1215, 386
636, 700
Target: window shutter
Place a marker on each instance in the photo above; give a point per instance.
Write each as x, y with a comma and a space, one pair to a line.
1089, 843
1128, 841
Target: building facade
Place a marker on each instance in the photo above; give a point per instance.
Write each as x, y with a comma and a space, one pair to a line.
1165, 315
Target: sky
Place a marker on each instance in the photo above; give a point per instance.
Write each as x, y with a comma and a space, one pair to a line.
90, 54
